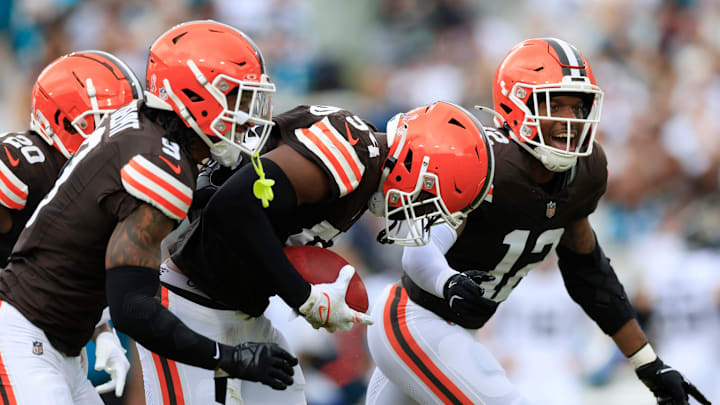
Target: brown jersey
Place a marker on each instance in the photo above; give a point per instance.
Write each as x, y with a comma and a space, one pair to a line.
347, 150
28, 168
56, 272
521, 221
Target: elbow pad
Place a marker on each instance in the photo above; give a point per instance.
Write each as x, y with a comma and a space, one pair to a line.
135, 311
593, 284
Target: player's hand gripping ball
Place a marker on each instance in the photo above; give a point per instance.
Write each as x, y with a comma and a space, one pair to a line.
319, 266
333, 293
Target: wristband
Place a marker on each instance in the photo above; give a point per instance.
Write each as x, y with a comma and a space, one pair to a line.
645, 355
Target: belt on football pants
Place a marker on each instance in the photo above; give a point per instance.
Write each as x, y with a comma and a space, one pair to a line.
200, 300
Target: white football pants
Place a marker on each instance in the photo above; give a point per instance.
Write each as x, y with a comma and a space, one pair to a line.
170, 383
33, 372
421, 358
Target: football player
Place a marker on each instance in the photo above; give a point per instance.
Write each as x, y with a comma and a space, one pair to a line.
70, 98
550, 175
433, 166
102, 221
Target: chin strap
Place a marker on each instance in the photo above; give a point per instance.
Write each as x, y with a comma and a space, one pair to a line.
382, 236
554, 162
262, 188
550, 160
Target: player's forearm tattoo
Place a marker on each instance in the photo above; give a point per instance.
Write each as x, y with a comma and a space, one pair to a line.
136, 240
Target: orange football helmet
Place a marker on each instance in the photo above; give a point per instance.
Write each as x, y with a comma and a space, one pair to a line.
192, 69
74, 93
534, 71
439, 168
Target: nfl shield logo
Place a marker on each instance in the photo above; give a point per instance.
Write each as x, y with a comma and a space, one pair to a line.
550, 209
37, 348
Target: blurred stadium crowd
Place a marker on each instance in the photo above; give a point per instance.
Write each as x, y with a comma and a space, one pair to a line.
658, 62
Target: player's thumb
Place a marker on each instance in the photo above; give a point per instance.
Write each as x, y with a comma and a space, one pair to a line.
346, 273
120, 379
105, 388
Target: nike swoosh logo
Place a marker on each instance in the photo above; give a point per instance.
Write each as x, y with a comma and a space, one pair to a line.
13, 161
327, 310
352, 140
176, 168
453, 298
217, 351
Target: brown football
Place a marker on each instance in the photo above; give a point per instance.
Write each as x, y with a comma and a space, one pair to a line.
318, 265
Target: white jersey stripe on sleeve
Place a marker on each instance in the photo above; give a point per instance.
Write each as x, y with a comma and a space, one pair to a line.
13, 191
348, 156
307, 138
147, 182
336, 153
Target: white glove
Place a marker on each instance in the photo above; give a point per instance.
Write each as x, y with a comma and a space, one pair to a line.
326, 306
110, 356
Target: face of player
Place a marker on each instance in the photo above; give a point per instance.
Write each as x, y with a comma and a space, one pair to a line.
244, 104
555, 133
419, 210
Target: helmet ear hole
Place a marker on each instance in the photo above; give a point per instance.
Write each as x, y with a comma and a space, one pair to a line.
68, 127
194, 97
408, 161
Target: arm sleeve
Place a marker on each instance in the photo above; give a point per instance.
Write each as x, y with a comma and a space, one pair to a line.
593, 284
234, 211
134, 310
426, 265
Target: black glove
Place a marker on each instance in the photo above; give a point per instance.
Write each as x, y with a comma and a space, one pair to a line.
465, 298
668, 385
267, 363
210, 178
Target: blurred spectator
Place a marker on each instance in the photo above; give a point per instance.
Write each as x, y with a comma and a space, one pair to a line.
680, 294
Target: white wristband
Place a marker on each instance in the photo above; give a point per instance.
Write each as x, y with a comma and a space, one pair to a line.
643, 356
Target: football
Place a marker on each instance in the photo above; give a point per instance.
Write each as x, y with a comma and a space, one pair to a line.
318, 265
